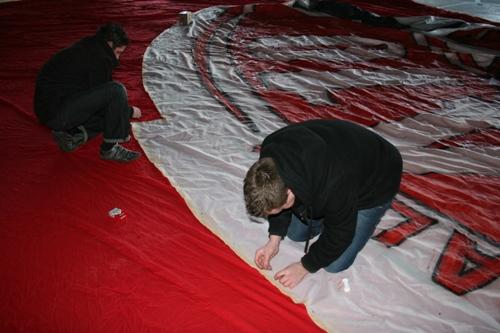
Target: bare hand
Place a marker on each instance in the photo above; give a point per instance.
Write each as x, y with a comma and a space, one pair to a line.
291, 275
136, 113
264, 255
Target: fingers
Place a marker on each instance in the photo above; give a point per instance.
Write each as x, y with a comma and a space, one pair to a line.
284, 278
265, 263
262, 261
278, 276
287, 277
259, 261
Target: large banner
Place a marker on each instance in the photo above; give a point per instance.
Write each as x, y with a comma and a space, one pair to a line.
236, 74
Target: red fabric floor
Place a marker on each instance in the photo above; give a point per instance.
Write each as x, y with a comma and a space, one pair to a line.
65, 265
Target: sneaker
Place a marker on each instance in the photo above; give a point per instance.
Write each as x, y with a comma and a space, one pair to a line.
120, 154
68, 142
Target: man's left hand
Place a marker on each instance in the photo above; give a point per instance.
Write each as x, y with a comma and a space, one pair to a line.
291, 275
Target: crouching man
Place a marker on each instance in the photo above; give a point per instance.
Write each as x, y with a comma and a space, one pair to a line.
76, 97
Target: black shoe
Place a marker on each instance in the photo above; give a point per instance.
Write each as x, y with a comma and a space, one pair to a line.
120, 154
68, 142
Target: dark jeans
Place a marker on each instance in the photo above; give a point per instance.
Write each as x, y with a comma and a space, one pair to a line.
365, 226
103, 108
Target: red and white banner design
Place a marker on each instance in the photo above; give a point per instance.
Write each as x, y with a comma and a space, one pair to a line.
236, 74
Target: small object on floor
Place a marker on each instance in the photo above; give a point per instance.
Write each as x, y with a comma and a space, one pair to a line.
68, 142
117, 214
119, 154
347, 288
185, 17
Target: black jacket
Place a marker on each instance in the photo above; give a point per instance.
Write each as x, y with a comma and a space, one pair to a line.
84, 65
334, 168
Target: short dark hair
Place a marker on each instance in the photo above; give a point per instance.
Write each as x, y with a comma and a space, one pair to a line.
263, 188
114, 33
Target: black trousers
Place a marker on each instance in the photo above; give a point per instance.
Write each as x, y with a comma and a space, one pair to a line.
103, 108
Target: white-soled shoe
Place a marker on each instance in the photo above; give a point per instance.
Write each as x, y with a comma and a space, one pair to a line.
120, 154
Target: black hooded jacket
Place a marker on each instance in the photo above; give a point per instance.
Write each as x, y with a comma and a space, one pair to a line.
334, 168
82, 66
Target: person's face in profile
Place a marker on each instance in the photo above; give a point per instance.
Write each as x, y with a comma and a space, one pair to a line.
118, 51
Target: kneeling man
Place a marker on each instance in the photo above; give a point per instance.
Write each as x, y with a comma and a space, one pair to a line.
328, 177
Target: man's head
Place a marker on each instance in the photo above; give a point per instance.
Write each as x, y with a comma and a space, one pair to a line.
115, 36
264, 190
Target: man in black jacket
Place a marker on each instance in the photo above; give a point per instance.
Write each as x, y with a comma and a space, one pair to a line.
328, 177
76, 97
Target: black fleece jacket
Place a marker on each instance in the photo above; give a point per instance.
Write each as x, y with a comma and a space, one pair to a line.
334, 168
84, 65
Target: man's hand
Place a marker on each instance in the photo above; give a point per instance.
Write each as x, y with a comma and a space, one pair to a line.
291, 275
264, 255
136, 113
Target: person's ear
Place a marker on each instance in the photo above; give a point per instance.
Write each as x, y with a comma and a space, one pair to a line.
290, 198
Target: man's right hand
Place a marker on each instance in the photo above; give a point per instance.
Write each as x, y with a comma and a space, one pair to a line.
264, 255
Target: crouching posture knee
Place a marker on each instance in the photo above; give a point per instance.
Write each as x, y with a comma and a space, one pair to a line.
117, 91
